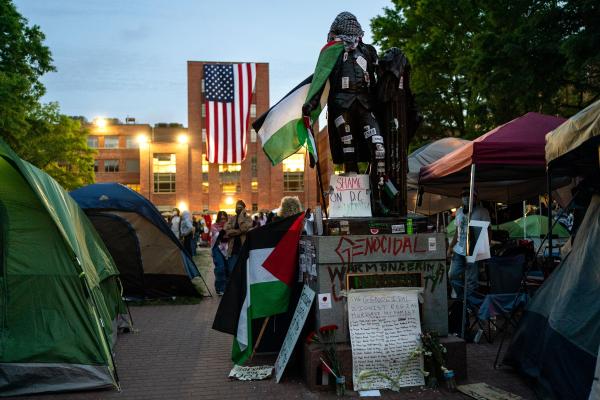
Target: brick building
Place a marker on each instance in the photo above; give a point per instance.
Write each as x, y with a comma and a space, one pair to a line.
166, 163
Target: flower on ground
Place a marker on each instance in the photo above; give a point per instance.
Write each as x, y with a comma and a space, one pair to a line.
328, 328
311, 337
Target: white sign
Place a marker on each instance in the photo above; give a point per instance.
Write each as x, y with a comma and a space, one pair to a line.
384, 333
481, 250
324, 301
349, 196
304, 303
432, 244
256, 373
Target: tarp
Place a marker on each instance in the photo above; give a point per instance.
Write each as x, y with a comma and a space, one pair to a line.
425, 155
59, 296
510, 162
168, 270
572, 148
556, 342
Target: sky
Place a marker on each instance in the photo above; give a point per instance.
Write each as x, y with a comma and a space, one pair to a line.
119, 58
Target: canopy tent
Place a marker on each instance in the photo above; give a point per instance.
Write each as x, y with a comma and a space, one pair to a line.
425, 155
557, 340
60, 288
572, 149
532, 226
152, 261
509, 160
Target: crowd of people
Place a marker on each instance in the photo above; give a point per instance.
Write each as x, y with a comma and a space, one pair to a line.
226, 234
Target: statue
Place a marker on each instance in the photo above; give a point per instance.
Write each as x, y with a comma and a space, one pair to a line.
349, 66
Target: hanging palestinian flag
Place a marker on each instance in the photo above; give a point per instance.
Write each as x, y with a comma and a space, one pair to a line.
261, 282
281, 129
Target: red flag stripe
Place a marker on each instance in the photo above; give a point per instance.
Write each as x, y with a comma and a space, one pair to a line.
282, 260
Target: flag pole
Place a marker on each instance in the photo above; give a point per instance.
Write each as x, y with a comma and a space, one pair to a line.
308, 126
260, 335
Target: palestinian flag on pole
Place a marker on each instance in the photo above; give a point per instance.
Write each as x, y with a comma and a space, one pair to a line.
281, 129
261, 282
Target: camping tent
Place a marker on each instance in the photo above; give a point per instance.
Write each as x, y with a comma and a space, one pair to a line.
572, 148
558, 336
152, 261
509, 162
425, 155
59, 288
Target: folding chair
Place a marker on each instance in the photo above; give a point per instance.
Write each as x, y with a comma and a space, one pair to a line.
505, 275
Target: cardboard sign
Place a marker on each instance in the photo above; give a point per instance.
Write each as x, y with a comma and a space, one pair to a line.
349, 196
304, 303
384, 332
479, 242
255, 373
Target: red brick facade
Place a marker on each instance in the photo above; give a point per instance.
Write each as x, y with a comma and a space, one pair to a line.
191, 190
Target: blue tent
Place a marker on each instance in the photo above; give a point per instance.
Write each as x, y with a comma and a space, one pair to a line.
151, 260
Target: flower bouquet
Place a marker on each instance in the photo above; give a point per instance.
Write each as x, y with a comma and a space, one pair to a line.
325, 338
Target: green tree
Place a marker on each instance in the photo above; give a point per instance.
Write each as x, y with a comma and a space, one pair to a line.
477, 64
36, 131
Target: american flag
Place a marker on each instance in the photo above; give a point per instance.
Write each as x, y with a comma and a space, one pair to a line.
228, 91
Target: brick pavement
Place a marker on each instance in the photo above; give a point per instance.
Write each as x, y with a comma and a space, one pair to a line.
176, 355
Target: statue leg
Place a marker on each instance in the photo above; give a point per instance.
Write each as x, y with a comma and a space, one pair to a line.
374, 140
343, 129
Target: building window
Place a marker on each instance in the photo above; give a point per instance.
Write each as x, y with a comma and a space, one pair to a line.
132, 165
205, 187
253, 110
293, 173
92, 142
95, 165
111, 142
252, 136
202, 110
254, 166
202, 86
133, 186
203, 135
230, 178
111, 165
293, 181
254, 185
164, 182
254, 207
131, 143
164, 166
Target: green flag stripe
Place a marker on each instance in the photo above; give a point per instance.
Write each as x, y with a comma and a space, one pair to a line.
285, 141
325, 63
269, 298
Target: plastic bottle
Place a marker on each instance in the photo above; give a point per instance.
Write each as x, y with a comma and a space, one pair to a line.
450, 382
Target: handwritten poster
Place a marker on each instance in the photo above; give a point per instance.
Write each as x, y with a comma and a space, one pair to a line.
349, 196
302, 309
384, 332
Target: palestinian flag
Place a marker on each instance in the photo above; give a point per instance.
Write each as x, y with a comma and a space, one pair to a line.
281, 129
261, 282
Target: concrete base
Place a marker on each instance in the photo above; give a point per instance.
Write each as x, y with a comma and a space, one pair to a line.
312, 371
456, 357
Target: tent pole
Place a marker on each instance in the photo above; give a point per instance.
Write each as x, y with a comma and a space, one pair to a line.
467, 251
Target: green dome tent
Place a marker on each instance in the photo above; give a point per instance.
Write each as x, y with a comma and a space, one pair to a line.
59, 289
533, 226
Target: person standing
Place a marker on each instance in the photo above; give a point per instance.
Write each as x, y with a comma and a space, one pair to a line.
218, 245
458, 246
175, 220
235, 230
186, 227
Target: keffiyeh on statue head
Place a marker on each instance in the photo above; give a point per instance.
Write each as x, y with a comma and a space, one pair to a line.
346, 28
